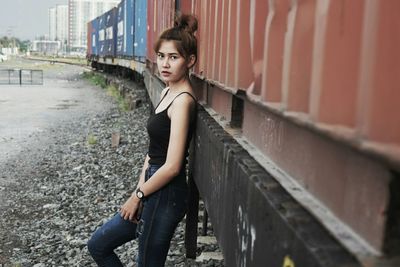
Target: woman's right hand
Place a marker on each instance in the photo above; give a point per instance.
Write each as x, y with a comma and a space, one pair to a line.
129, 209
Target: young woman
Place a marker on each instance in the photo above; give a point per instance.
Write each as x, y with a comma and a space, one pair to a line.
162, 188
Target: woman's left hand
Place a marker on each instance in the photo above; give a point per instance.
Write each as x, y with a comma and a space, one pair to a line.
130, 208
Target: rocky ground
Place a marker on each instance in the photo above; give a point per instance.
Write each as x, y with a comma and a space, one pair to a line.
69, 181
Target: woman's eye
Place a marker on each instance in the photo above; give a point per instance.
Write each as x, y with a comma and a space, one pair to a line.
161, 56
174, 57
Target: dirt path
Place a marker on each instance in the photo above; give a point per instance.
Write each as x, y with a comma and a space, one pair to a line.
33, 120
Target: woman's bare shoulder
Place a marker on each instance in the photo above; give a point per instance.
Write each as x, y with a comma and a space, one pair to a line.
184, 100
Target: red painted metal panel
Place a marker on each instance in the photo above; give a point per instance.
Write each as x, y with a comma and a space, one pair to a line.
273, 51
211, 37
223, 41
380, 77
197, 12
231, 47
186, 6
258, 20
203, 40
243, 65
341, 59
299, 78
217, 40
89, 38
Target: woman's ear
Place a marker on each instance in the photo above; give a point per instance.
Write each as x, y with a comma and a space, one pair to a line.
191, 61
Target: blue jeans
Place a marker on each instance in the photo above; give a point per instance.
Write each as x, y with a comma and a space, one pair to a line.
162, 212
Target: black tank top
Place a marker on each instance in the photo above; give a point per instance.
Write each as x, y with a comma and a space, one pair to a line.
159, 128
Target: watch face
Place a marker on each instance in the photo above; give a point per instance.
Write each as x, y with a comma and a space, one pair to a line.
139, 194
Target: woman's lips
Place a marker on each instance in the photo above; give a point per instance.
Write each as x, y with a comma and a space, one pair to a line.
165, 73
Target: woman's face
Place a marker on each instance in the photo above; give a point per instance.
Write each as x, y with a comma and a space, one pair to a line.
171, 65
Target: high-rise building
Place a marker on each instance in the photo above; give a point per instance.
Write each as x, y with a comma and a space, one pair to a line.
80, 13
62, 23
52, 23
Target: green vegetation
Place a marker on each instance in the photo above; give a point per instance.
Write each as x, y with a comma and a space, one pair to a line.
14, 42
122, 104
92, 140
95, 79
99, 80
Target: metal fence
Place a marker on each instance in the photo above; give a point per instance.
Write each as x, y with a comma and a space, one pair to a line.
21, 76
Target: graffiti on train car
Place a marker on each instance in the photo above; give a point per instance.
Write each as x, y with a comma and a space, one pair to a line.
246, 238
288, 262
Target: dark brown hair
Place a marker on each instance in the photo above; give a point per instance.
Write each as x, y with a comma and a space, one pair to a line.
183, 34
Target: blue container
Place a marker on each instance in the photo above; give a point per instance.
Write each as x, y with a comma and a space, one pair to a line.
110, 27
125, 29
140, 39
101, 35
94, 38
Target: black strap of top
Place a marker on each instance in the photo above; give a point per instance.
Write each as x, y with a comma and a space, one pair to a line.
162, 99
179, 95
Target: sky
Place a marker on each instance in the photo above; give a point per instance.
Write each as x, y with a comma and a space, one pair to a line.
25, 19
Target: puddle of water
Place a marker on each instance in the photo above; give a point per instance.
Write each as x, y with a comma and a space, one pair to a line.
63, 106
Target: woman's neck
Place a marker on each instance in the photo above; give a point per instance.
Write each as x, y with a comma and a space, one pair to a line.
179, 85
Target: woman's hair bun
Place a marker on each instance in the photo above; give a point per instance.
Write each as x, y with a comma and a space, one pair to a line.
186, 22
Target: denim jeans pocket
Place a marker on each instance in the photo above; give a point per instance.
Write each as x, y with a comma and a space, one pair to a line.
177, 201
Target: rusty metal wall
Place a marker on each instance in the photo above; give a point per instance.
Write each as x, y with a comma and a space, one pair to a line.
319, 81
335, 62
318, 85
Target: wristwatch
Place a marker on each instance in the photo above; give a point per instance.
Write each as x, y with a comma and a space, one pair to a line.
139, 194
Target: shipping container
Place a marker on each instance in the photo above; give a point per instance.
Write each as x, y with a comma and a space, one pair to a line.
125, 29
140, 30
93, 37
102, 35
330, 67
110, 28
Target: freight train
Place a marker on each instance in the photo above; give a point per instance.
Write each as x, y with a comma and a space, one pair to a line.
297, 147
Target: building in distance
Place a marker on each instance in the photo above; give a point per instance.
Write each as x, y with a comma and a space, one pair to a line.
80, 13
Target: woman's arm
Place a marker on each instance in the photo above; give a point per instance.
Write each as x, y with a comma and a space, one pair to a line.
142, 174
129, 208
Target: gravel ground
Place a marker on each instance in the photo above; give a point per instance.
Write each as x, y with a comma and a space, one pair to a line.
68, 182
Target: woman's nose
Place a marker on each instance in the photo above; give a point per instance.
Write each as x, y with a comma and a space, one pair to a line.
165, 62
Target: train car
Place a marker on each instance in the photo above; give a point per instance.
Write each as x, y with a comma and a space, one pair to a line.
140, 36
110, 27
297, 132
125, 29
291, 78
